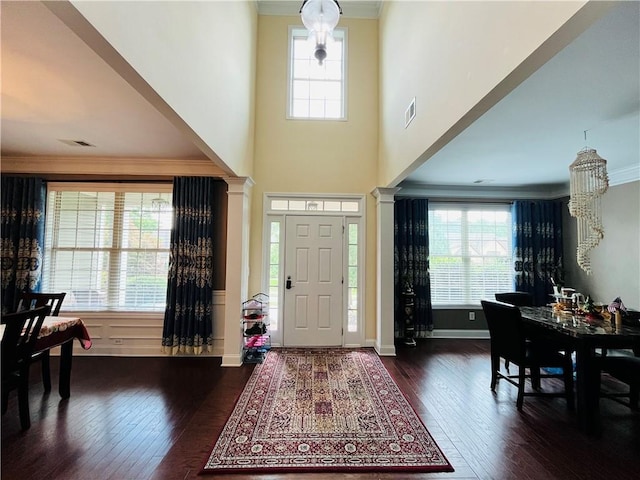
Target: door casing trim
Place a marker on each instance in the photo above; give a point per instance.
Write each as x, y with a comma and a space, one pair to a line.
356, 216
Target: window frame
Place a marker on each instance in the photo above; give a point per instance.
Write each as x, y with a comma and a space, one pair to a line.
296, 30
467, 206
50, 246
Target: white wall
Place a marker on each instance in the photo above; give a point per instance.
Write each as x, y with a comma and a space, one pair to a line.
459, 59
615, 262
196, 61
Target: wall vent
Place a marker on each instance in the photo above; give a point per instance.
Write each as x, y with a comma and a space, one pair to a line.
410, 112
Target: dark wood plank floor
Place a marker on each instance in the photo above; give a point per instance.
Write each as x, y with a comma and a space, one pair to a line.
144, 418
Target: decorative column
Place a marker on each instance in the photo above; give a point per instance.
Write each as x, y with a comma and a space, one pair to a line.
237, 275
385, 310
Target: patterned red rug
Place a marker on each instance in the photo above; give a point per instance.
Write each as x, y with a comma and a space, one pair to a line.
323, 410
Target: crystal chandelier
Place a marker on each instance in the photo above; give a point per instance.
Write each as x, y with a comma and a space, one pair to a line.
320, 17
588, 181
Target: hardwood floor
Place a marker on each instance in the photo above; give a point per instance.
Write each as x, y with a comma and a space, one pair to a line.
141, 418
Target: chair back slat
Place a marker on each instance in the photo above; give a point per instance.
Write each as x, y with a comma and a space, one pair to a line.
508, 339
29, 301
20, 335
519, 299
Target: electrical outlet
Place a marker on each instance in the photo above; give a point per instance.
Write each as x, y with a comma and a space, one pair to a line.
117, 341
472, 315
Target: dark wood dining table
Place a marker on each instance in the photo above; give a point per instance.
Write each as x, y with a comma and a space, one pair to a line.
61, 331
586, 336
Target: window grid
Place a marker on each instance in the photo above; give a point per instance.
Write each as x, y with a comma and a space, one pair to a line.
315, 205
108, 250
352, 282
274, 275
316, 91
470, 255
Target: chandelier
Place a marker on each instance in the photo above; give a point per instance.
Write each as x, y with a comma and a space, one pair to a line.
320, 17
588, 181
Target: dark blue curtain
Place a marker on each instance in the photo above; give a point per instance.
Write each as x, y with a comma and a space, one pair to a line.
411, 263
22, 237
537, 246
188, 324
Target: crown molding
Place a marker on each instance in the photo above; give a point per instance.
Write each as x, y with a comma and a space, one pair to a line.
543, 192
109, 166
624, 175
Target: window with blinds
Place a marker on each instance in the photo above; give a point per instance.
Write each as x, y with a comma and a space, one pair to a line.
470, 254
108, 246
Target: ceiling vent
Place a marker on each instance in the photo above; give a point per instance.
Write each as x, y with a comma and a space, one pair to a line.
482, 180
77, 143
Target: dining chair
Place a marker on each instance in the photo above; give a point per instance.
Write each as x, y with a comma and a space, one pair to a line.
509, 341
625, 369
18, 342
519, 299
28, 300
525, 299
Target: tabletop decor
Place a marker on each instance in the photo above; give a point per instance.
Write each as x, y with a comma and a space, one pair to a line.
323, 409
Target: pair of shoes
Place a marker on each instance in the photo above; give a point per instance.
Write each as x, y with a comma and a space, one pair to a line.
252, 304
254, 357
253, 314
256, 329
252, 341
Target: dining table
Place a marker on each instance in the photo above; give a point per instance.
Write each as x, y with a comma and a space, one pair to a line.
61, 332
589, 336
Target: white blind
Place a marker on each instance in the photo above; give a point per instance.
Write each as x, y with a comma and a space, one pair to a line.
108, 248
470, 254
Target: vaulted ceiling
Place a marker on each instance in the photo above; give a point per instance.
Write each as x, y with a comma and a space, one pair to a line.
56, 90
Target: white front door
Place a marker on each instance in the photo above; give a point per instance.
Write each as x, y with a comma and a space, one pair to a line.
313, 269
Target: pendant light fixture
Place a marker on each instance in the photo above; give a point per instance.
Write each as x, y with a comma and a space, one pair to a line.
320, 17
587, 183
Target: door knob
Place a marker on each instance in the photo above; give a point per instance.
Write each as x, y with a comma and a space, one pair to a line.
288, 284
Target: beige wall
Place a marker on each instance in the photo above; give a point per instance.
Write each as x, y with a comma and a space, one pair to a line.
199, 57
615, 262
316, 156
458, 59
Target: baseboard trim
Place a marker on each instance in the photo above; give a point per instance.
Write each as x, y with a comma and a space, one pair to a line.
459, 333
234, 360
385, 350
139, 351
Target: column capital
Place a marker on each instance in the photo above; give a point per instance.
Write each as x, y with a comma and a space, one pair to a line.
239, 184
384, 194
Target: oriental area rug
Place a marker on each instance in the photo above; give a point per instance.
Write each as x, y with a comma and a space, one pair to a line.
332, 410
